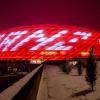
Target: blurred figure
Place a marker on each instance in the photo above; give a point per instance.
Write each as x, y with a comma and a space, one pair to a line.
68, 67
65, 66
79, 67
91, 69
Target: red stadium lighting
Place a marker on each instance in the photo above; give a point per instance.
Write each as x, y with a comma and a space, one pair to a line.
48, 42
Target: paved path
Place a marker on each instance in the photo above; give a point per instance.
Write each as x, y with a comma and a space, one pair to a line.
60, 86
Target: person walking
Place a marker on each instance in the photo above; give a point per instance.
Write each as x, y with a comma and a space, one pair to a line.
91, 69
79, 67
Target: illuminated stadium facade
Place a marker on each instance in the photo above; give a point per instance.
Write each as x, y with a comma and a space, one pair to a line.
48, 42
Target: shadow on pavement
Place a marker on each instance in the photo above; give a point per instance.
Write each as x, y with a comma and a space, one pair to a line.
82, 93
77, 75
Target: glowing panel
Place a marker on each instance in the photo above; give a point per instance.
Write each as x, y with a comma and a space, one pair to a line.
48, 42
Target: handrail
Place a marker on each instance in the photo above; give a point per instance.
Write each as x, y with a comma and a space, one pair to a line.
13, 90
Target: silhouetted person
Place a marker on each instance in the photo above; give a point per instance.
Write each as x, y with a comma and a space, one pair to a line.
65, 67
79, 67
68, 68
91, 68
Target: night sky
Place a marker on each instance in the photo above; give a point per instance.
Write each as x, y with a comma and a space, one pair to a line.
83, 13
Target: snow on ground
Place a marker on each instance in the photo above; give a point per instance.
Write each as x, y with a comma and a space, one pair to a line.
62, 86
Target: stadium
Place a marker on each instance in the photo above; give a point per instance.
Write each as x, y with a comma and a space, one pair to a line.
48, 42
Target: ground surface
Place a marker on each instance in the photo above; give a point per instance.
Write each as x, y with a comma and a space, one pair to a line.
60, 86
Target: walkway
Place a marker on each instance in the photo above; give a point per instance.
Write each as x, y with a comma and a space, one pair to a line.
60, 86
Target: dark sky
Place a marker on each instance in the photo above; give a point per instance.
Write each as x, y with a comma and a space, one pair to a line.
84, 13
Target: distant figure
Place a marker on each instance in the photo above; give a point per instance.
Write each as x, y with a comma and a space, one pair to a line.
79, 67
91, 69
66, 67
